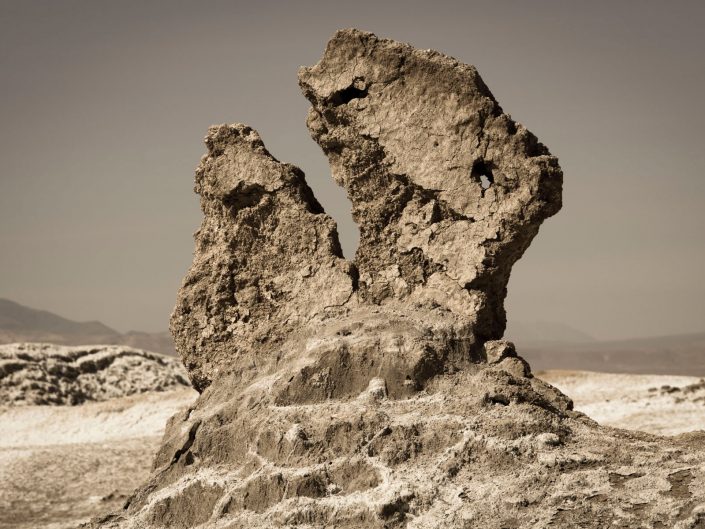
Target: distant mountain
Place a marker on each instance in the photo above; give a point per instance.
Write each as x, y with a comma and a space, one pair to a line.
18, 318
23, 324
552, 345
682, 354
540, 332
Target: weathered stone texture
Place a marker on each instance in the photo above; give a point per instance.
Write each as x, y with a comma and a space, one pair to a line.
377, 393
267, 258
447, 190
410, 135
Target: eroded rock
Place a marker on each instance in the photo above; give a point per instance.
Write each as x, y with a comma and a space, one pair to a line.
447, 190
48, 374
267, 259
377, 393
410, 135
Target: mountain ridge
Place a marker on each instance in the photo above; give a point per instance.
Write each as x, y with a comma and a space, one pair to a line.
19, 323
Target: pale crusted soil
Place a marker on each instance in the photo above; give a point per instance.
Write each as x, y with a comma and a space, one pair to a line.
62, 465
39, 373
59, 486
659, 404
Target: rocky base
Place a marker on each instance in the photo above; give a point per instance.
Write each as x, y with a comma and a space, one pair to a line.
493, 447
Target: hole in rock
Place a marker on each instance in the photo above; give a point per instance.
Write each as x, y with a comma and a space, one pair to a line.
482, 172
346, 95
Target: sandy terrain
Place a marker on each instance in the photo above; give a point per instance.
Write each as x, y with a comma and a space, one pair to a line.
61, 465
660, 404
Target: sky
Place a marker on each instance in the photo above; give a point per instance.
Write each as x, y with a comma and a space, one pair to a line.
104, 105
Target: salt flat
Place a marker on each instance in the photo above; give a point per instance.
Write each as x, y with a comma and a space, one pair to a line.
61, 465
659, 404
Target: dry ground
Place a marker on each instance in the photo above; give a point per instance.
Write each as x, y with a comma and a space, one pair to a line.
60, 465
659, 404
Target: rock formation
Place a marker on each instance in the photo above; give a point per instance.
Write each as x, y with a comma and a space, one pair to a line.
267, 258
378, 393
446, 189
36, 373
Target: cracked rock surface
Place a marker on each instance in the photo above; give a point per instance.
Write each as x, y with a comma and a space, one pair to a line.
377, 392
267, 259
447, 190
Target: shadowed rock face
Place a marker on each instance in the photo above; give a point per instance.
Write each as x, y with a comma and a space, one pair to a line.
376, 393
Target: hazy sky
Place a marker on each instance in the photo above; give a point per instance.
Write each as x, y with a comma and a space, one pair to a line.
104, 104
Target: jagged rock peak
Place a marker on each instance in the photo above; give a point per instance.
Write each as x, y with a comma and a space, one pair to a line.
267, 258
447, 190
